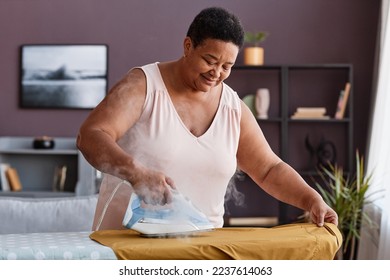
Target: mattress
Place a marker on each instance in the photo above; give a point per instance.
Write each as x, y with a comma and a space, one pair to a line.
53, 246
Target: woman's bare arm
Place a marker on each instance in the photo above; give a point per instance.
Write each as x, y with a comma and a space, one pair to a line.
119, 110
98, 136
276, 177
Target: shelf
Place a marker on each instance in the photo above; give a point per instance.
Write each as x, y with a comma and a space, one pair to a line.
26, 143
308, 173
38, 168
294, 66
269, 120
331, 120
39, 152
262, 67
250, 221
36, 194
330, 66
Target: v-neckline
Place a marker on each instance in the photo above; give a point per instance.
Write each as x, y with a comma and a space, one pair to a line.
177, 114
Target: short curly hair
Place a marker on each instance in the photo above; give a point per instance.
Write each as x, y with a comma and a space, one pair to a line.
216, 23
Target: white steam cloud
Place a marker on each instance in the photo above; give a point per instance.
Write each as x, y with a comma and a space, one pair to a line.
232, 194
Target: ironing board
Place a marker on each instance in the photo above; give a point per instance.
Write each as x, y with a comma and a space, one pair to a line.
52, 246
293, 241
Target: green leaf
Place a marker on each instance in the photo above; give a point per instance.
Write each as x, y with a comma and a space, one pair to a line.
255, 37
347, 195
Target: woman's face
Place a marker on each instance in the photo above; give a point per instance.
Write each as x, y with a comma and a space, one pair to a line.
209, 63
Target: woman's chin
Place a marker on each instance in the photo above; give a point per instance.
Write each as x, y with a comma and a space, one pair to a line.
206, 86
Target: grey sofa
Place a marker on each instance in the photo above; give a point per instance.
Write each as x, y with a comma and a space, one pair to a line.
35, 215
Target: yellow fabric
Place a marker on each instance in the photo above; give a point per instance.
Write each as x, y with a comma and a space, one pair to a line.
293, 241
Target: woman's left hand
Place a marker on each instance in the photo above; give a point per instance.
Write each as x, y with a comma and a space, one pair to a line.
320, 213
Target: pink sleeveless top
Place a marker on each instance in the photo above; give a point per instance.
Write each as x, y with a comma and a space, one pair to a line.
201, 167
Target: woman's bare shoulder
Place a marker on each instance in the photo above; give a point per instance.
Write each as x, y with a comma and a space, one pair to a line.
123, 105
133, 82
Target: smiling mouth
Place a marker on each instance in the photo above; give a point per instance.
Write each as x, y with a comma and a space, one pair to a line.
209, 81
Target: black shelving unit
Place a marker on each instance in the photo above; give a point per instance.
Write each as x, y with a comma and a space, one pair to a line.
300, 85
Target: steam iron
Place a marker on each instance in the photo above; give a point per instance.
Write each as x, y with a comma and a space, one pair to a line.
179, 218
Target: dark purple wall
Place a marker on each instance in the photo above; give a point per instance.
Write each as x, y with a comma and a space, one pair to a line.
139, 32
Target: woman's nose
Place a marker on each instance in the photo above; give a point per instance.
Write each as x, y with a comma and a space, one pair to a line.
215, 73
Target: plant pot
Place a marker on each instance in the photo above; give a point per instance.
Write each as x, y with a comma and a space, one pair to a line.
253, 56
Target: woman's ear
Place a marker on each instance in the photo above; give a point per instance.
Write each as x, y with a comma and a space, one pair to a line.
187, 44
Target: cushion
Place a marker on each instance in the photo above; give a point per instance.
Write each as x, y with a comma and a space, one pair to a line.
59, 214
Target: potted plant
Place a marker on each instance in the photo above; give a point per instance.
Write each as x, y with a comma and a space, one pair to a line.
253, 53
347, 195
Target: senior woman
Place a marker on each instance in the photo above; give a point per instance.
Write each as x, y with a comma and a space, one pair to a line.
176, 124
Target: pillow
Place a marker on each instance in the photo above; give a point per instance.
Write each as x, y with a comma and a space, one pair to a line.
60, 214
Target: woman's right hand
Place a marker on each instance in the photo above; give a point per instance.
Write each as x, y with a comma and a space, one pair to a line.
153, 187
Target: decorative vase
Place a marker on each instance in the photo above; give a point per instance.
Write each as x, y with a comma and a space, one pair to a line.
253, 56
262, 103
